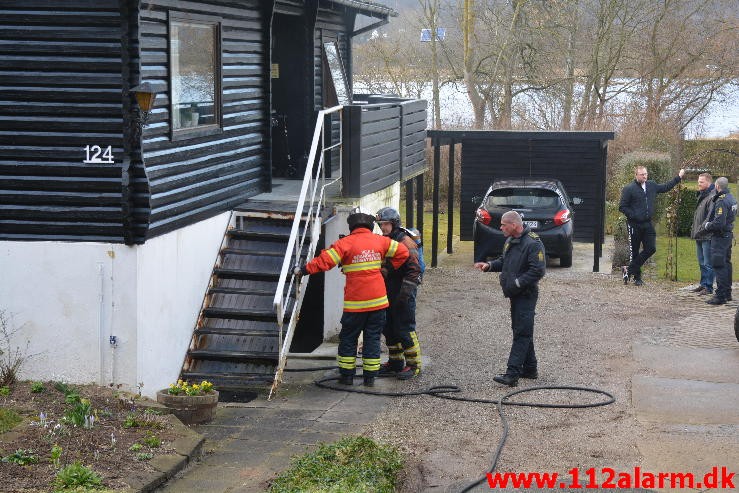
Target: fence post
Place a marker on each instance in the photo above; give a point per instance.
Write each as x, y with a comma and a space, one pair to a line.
450, 199
409, 203
435, 193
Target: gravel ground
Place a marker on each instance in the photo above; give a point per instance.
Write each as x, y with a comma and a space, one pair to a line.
585, 326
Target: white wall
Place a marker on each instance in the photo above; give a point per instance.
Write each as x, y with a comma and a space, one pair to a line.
334, 290
173, 272
66, 299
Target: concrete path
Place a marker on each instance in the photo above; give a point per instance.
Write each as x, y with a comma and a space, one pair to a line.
248, 444
684, 394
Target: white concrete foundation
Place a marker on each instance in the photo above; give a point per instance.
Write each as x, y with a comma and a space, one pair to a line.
67, 299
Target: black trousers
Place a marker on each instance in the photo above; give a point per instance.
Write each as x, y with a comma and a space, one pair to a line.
352, 324
642, 245
721, 263
523, 357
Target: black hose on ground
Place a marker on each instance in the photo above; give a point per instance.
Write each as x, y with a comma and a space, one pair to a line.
443, 391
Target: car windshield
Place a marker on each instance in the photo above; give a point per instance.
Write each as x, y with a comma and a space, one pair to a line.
519, 198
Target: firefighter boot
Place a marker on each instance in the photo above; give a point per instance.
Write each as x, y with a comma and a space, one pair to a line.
346, 379
412, 359
395, 363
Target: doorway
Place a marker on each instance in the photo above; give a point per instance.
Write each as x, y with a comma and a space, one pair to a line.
290, 98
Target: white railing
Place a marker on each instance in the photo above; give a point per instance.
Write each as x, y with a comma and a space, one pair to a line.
309, 207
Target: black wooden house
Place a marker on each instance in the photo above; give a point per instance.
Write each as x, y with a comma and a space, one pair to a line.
238, 86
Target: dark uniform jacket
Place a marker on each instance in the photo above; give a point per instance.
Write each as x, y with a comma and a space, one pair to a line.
723, 213
705, 199
637, 206
522, 265
410, 271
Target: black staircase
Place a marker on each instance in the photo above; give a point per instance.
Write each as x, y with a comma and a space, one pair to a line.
236, 342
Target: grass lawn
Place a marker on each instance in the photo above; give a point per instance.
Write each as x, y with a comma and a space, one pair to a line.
687, 263
428, 221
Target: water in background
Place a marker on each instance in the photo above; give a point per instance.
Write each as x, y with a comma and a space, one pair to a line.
719, 120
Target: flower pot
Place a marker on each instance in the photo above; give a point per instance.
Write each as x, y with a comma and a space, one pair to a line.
190, 409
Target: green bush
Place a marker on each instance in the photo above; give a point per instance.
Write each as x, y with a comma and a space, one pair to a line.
8, 420
75, 475
687, 202
356, 464
21, 457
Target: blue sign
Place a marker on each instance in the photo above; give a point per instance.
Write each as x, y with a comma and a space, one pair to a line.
426, 34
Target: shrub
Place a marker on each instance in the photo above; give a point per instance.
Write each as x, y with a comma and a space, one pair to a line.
12, 357
21, 457
8, 420
144, 456
37, 387
80, 413
356, 464
715, 156
151, 440
75, 475
4, 390
687, 202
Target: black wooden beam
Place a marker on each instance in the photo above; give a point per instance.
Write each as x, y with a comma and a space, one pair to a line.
450, 201
435, 194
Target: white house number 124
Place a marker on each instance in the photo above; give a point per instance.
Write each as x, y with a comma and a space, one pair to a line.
96, 154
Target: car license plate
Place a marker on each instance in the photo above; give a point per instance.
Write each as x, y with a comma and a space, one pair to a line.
531, 224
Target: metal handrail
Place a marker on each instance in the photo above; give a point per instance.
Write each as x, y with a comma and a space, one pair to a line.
315, 174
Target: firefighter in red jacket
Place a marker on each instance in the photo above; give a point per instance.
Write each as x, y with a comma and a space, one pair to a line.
360, 255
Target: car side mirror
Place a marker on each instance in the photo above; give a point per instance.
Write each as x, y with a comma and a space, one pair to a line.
576, 201
476, 199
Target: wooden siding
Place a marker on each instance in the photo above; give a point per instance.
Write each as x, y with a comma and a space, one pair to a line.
198, 177
60, 90
379, 145
414, 139
576, 159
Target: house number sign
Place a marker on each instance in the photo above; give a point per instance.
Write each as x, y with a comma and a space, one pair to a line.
98, 155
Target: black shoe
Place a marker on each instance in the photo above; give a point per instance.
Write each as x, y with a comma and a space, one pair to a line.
506, 379
387, 369
698, 289
531, 375
638, 282
625, 273
408, 372
369, 381
716, 301
346, 380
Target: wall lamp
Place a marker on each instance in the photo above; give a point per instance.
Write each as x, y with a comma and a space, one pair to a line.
145, 94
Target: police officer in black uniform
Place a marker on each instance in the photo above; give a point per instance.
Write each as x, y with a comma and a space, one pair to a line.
721, 224
522, 265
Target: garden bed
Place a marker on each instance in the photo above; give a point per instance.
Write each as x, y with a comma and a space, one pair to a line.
111, 433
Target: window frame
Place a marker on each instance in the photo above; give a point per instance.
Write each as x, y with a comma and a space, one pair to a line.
202, 130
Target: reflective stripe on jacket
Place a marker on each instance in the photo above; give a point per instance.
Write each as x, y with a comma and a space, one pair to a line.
360, 256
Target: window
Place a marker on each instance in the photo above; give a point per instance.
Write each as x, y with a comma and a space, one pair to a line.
195, 74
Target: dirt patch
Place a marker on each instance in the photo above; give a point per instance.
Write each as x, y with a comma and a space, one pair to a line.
105, 447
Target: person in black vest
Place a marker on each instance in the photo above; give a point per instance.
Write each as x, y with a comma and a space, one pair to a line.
522, 265
721, 226
637, 204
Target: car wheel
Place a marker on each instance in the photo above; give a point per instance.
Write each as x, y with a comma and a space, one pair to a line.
565, 260
736, 324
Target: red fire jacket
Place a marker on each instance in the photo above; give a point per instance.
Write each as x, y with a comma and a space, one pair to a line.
360, 256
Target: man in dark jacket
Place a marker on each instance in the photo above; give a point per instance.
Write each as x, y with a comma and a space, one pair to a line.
402, 285
522, 265
706, 192
637, 204
721, 226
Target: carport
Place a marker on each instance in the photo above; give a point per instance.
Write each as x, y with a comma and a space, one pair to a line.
577, 159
